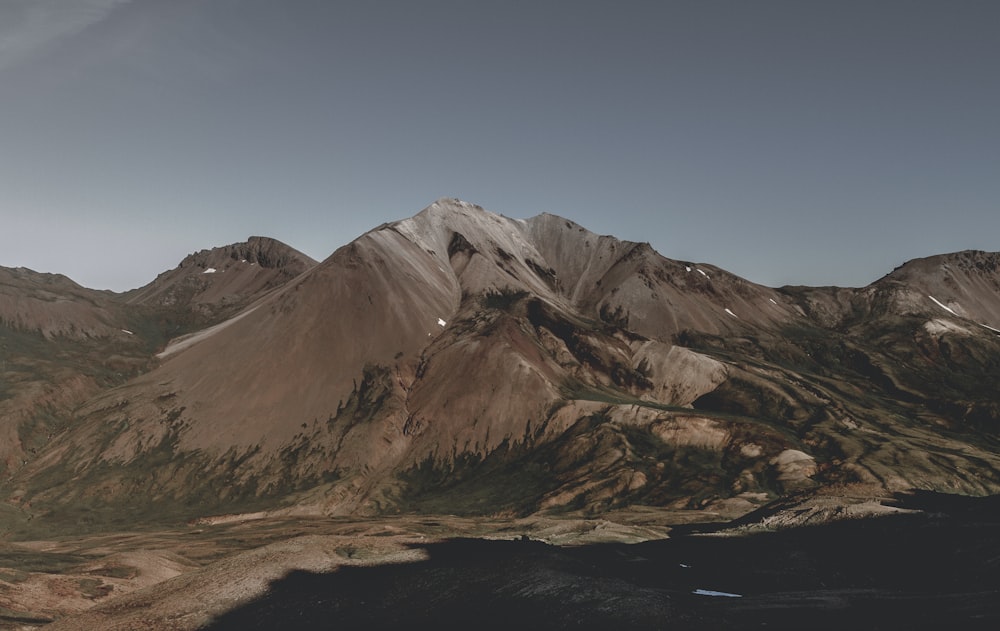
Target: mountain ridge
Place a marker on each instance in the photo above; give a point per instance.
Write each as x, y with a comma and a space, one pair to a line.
398, 371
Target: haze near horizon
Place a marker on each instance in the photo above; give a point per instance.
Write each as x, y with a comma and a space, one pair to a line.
787, 142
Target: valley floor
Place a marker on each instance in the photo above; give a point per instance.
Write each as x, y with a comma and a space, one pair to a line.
935, 567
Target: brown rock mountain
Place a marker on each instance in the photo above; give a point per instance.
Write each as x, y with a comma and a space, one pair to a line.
464, 362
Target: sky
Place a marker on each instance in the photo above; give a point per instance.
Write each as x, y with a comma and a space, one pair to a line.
789, 142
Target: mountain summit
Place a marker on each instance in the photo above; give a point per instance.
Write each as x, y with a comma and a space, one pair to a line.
461, 361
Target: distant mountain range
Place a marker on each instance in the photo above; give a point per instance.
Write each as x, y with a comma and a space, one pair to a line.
466, 363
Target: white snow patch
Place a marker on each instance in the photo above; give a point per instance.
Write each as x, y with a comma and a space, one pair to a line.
684, 565
702, 272
773, 302
243, 260
209, 270
441, 322
687, 268
731, 313
942, 305
127, 331
989, 327
940, 327
712, 592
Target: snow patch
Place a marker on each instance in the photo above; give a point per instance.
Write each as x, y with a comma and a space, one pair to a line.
940, 327
942, 305
989, 327
773, 302
687, 268
702, 272
131, 333
712, 592
441, 322
209, 270
732, 314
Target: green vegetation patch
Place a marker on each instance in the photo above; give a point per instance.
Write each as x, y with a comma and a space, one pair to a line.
161, 487
9, 575
9, 616
115, 571
93, 588
510, 479
18, 560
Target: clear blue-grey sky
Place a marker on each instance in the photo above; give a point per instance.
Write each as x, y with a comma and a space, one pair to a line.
790, 142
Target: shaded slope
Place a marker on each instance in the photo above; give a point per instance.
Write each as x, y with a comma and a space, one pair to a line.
892, 572
925, 335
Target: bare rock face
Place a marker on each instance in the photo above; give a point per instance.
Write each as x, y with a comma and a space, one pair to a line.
464, 362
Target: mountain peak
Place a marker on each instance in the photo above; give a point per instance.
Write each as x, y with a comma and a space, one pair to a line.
454, 202
264, 251
221, 280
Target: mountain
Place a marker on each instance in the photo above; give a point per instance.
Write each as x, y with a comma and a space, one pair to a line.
255, 425
463, 362
62, 343
217, 283
59, 344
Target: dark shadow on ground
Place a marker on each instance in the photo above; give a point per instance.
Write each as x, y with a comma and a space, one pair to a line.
935, 570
